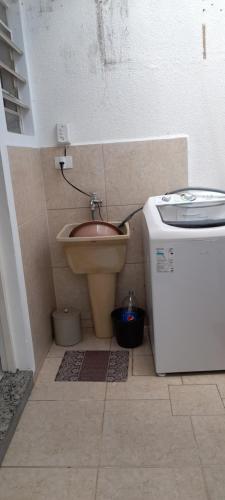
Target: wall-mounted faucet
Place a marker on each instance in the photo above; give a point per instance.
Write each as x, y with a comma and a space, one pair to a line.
94, 205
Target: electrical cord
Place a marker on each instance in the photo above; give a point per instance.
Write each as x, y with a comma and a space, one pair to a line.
61, 163
70, 183
129, 217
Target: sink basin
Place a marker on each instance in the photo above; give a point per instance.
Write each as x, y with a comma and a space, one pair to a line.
98, 250
95, 228
97, 253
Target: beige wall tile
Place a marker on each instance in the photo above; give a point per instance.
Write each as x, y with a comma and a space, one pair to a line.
86, 324
132, 276
135, 246
27, 180
151, 484
71, 290
132, 171
87, 174
29, 194
136, 170
39, 283
49, 484
59, 218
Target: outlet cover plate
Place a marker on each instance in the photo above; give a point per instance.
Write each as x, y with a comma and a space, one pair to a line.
68, 162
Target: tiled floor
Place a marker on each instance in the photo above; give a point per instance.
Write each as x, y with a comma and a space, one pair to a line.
150, 438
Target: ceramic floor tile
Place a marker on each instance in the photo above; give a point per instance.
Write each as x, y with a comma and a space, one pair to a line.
215, 481
204, 378
49, 370
138, 388
196, 400
217, 378
46, 389
89, 342
145, 348
210, 436
221, 388
68, 391
151, 484
114, 346
47, 484
143, 433
55, 433
143, 365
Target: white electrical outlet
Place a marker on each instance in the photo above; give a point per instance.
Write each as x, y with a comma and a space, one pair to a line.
67, 160
63, 133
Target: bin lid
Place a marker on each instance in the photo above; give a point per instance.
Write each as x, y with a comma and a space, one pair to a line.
65, 312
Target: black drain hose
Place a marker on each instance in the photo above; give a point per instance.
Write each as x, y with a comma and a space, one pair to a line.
129, 217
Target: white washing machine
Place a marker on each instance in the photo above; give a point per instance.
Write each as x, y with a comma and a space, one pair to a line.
184, 242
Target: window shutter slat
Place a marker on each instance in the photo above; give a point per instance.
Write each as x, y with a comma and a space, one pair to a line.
10, 43
10, 98
12, 72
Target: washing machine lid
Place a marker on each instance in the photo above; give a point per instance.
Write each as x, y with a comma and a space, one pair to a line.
193, 208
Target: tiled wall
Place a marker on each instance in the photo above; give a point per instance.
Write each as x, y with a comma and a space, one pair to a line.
124, 175
28, 186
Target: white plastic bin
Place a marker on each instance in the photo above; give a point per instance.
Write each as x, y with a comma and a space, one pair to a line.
66, 325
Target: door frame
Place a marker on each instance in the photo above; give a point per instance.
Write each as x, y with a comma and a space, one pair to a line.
15, 329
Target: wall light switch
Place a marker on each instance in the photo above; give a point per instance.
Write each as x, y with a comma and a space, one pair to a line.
63, 133
68, 162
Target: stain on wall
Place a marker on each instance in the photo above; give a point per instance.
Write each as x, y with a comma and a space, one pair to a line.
112, 31
46, 6
41, 7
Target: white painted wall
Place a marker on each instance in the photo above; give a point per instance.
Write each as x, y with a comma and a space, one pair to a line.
128, 69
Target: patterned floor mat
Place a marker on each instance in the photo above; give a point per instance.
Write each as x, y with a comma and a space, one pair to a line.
93, 366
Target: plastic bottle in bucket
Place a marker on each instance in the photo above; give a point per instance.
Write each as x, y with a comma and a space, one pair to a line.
129, 305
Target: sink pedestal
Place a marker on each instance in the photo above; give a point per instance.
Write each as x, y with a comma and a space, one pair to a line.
102, 290
101, 257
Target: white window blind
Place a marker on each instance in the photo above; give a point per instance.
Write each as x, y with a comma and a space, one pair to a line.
11, 80
9, 42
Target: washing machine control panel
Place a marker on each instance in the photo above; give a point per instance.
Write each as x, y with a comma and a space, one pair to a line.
166, 198
191, 197
188, 196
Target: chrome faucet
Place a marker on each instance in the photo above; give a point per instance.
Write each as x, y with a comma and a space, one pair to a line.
94, 204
